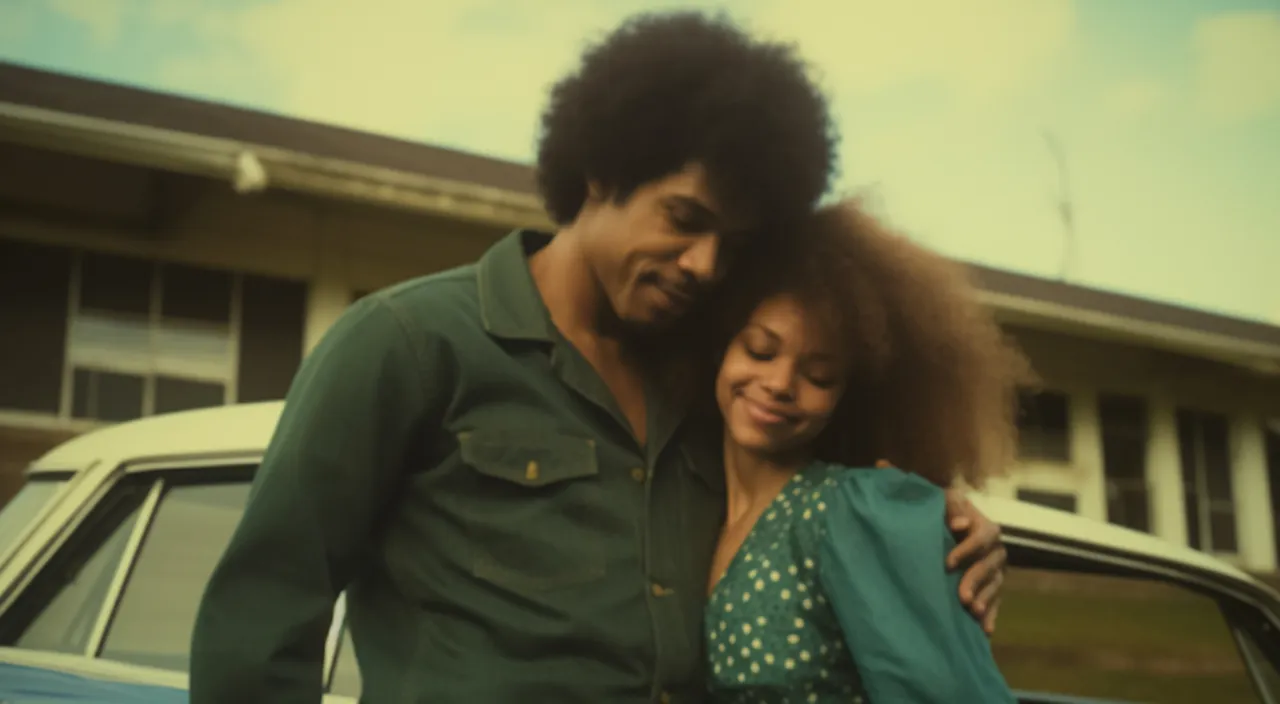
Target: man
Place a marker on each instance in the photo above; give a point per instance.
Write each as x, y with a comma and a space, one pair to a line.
478, 458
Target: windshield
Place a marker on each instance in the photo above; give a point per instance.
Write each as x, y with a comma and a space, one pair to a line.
23, 508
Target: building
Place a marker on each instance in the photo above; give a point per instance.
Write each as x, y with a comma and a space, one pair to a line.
159, 253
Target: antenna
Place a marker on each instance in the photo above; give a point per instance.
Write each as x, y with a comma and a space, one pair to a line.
1065, 207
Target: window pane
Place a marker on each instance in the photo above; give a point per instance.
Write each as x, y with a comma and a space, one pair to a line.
1050, 499
270, 337
173, 394
1191, 505
1222, 524
1265, 668
106, 395
157, 611
1116, 638
116, 284
195, 349
346, 671
1044, 426
1124, 440
1217, 459
110, 340
1128, 503
23, 508
65, 623
195, 293
34, 291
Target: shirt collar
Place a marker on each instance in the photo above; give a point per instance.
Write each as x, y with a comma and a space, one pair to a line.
510, 305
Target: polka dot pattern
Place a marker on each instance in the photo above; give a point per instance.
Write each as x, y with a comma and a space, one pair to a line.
772, 638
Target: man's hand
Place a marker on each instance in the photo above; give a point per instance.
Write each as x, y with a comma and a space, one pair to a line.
981, 554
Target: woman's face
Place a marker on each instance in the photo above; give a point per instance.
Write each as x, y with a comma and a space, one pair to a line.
780, 379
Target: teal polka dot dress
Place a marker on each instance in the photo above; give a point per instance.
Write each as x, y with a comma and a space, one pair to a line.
840, 593
772, 637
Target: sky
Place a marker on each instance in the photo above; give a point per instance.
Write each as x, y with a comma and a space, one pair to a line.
969, 122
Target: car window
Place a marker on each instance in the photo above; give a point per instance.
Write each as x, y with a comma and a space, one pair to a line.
346, 671
1117, 638
60, 609
1268, 676
157, 609
23, 508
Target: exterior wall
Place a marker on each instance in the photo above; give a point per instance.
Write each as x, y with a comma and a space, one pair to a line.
335, 249
1084, 369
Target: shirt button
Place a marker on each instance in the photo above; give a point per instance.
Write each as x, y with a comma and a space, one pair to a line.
659, 590
639, 474
664, 698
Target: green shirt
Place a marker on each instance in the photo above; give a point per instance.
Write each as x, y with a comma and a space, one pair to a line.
457, 466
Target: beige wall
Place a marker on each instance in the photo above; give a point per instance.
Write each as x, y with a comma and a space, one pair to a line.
1083, 369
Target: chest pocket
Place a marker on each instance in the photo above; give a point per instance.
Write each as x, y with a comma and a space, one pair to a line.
532, 526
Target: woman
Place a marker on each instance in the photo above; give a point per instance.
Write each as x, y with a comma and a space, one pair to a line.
829, 582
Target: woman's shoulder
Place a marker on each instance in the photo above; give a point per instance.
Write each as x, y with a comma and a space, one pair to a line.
887, 481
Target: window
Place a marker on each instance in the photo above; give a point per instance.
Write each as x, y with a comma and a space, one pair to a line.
1206, 480
1124, 460
59, 610
1049, 499
144, 334
270, 337
34, 293
1044, 426
24, 508
127, 584
157, 609
1117, 638
345, 679
112, 338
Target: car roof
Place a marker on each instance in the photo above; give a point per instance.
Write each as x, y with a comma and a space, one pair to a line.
245, 430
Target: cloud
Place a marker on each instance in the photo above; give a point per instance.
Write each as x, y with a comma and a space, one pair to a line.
1237, 70
101, 17
474, 72
979, 50
458, 72
1134, 100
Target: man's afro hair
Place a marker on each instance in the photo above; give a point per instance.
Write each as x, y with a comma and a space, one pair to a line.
666, 90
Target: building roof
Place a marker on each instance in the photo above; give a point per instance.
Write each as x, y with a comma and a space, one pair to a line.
97, 118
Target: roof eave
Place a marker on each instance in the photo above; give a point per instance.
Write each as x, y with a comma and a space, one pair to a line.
226, 160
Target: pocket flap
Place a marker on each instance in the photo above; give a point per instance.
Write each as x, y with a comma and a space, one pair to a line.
529, 459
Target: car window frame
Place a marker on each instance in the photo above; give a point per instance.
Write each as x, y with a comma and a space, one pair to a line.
66, 478
159, 473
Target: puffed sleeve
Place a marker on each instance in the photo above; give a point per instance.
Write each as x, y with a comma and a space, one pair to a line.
883, 570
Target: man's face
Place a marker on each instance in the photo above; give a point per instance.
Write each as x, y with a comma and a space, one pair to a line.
655, 252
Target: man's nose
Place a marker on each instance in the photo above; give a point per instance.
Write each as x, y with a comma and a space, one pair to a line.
701, 259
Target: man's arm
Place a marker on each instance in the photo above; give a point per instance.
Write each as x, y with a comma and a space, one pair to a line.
982, 555
337, 454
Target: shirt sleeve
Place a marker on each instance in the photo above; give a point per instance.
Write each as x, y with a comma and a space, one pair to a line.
332, 466
884, 573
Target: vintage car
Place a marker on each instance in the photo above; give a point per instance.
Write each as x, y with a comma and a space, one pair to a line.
106, 549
